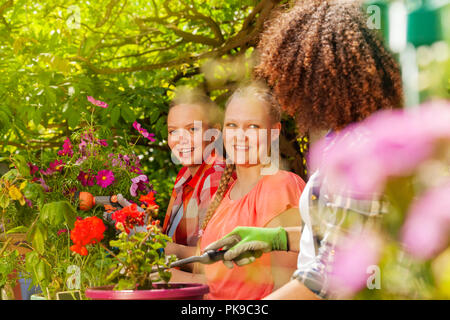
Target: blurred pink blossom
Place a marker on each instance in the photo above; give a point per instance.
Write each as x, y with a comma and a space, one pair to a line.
390, 143
353, 256
427, 228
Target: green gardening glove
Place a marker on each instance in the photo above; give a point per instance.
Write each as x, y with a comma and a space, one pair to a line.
245, 244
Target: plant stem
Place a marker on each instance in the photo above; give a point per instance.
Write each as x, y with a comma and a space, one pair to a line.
8, 240
111, 253
3, 222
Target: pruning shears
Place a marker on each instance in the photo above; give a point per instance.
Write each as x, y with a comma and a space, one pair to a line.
208, 257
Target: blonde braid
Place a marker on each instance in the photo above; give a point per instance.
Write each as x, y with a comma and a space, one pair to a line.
223, 187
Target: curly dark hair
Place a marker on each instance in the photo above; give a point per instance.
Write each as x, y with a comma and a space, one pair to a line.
326, 66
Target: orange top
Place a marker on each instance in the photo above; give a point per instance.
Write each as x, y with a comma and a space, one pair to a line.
273, 195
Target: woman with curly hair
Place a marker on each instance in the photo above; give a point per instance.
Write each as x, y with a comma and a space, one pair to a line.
328, 69
326, 66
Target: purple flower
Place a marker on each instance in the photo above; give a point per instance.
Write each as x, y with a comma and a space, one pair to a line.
138, 183
97, 103
86, 178
105, 178
62, 231
427, 228
42, 182
352, 258
144, 132
67, 149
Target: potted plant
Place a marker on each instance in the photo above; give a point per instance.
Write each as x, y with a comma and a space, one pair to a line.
140, 268
47, 191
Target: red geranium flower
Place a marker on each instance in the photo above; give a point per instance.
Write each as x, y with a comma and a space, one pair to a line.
128, 218
149, 200
87, 231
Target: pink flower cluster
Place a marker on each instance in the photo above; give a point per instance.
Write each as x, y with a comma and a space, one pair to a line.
354, 255
426, 231
362, 157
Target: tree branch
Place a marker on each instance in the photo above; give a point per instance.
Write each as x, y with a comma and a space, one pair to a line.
245, 37
109, 8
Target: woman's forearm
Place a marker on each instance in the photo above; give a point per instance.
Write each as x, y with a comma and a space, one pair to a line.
180, 250
293, 236
293, 290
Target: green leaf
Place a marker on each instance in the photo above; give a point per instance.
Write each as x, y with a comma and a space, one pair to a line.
73, 117
33, 191
38, 236
127, 114
10, 175
21, 164
19, 229
115, 115
57, 213
4, 200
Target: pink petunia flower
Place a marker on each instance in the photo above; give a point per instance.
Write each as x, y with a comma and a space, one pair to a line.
97, 103
105, 178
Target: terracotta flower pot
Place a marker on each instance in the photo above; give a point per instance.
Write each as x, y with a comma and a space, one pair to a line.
177, 291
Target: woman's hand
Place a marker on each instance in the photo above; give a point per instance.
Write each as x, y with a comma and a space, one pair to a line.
245, 244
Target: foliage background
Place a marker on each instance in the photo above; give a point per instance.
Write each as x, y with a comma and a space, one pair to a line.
130, 54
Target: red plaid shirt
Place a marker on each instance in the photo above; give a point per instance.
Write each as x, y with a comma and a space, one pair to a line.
190, 200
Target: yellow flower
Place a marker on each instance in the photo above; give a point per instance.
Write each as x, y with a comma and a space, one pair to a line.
15, 194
